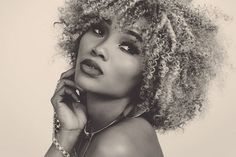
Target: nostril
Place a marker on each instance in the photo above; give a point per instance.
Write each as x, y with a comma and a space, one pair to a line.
98, 53
93, 52
102, 56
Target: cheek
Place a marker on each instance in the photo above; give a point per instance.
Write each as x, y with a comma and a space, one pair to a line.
83, 46
127, 74
86, 43
128, 70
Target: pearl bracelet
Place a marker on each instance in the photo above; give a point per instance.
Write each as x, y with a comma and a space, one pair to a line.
60, 148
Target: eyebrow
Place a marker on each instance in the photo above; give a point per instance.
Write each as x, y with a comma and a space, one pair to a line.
136, 35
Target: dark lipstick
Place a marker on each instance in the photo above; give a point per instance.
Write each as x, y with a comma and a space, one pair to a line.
90, 68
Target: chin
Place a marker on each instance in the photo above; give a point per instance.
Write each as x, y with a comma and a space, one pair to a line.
94, 87
99, 86
83, 82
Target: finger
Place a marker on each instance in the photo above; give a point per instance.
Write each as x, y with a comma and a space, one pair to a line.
79, 88
72, 93
68, 73
65, 82
61, 94
65, 91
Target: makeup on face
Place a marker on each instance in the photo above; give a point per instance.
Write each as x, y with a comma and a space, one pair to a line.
90, 68
130, 39
109, 60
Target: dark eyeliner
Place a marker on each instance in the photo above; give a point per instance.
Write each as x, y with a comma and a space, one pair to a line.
100, 28
132, 48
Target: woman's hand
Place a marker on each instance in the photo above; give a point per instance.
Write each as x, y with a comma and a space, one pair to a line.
70, 112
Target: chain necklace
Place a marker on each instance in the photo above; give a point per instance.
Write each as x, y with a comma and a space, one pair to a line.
90, 134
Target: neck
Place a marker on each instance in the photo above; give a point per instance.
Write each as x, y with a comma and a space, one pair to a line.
102, 110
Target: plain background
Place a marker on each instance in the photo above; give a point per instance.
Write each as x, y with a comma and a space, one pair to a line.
30, 67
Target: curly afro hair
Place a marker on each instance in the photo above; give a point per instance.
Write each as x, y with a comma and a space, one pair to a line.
180, 50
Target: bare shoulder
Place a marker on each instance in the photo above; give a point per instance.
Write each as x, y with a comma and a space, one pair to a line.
133, 137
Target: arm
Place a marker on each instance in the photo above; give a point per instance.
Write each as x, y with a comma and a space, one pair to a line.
66, 139
70, 112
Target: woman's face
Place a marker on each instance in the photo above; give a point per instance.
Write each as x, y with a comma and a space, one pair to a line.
109, 61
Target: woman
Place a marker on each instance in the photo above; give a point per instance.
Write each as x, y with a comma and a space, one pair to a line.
137, 66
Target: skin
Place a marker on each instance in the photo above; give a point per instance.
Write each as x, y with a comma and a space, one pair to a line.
108, 95
121, 65
121, 68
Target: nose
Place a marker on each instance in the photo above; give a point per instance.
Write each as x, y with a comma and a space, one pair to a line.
101, 52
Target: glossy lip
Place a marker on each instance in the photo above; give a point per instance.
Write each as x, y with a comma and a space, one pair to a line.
93, 64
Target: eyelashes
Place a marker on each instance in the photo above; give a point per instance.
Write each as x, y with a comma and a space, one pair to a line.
129, 47
98, 30
126, 46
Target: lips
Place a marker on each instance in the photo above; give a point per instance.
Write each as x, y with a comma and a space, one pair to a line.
90, 68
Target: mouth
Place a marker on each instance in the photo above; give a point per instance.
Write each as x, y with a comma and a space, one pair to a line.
91, 68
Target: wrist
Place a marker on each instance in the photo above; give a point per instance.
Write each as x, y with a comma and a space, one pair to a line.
67, 139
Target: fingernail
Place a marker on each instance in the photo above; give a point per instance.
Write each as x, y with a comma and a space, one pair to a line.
77, 91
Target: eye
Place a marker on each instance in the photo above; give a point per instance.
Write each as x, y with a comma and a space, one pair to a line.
98, 29
129, 47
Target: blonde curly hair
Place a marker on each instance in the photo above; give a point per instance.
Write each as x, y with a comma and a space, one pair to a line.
179, 46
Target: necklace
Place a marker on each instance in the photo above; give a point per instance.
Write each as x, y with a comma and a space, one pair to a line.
90, 134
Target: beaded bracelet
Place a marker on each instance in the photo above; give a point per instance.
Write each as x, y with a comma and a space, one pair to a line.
60, 148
